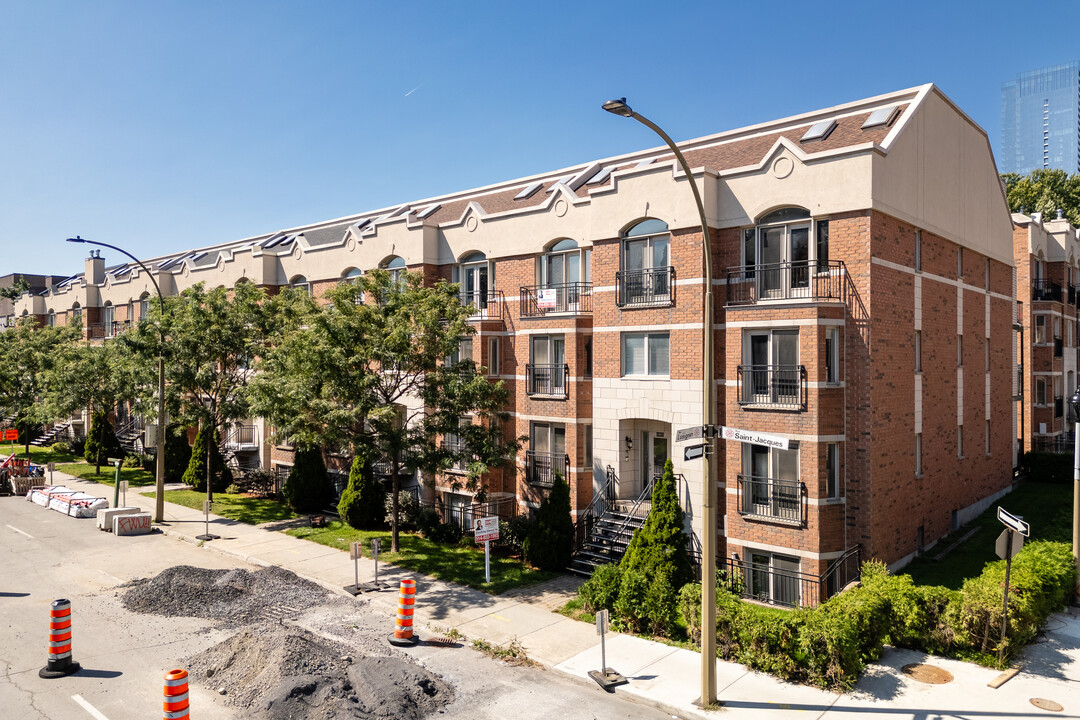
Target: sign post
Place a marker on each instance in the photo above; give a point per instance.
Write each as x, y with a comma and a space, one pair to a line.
51, 466
605, 677
376, 545
123, 487
355, 553
207, 535
116, 485
486, 529
1008, 545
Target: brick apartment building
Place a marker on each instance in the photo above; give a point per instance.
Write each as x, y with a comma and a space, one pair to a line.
863, 268
1047, 276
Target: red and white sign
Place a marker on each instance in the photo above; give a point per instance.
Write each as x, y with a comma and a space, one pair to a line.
11, 434
753, 437
486, 528
547, 299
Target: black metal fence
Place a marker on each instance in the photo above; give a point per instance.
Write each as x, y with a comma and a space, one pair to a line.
773, 385
539, 300
549, 380
768, 583
1045, 290
645, 288
463, 515
805, 280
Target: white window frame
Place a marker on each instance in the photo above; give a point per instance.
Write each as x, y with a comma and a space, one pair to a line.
493, 366
918, 351
832, 356
649, 339
832, 471
1040, 391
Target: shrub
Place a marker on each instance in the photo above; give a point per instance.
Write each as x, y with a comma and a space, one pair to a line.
177, 454
448, 534
601, 590
512, 532
78, 446
61, 447
408, 510
689, 606
363, 503
195, 475
257, 482
629, 606
308, 487
551, 541
428, 521
1047, 467
234, 489
101, 443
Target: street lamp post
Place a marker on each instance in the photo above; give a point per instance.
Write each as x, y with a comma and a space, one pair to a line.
1075, 402
159, 501
708, 394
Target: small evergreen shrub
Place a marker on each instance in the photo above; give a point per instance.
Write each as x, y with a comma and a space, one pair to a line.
61, 447
308, 487
132, 461
408, 510
233, 489
428, 522
448, 534
363, 502
220, 475
177, 454
101, 443
601, 590
551, 542
512, 532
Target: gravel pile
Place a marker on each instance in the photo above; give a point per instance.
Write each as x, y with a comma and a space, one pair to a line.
233, 597
281, 673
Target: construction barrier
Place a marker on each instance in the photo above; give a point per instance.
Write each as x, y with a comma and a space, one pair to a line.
403, 627
60, 662
175, 706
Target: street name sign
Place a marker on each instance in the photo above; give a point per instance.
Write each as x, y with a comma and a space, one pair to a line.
690, 433
755, 438
1013, 522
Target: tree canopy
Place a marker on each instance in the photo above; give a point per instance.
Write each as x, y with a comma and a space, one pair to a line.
1046, 192
27, 353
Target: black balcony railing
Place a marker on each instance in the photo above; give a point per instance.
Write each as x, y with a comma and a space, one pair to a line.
548, 380
1059, 347
645, 288
571, 298
1059, 406
540, 467
776, 386
484, 305
240, 436
1045, 290
818, 281
789, 588
772, 499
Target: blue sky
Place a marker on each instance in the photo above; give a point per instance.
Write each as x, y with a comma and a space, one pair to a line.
164, 125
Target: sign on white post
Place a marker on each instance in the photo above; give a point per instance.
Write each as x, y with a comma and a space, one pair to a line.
486, 529
755, 438
207, 505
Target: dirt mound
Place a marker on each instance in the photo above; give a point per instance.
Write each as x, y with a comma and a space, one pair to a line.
283, 673
231, 596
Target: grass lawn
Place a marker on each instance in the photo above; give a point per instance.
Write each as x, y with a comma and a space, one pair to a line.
39, 455
236, 507
1047, 506
463, 565
136, 477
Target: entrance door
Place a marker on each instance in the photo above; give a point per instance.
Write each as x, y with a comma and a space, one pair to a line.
654, 455
475, 284
785, 253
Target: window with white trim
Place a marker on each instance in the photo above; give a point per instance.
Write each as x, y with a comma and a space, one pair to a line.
1040, 391
832, 355
1040, 329
832, 470
646, 354
493, 365
918, 455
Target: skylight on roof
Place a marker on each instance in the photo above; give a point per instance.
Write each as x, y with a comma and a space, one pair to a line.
601, 176
564, 179
529, 191
646, 161
819, 130
196, 256
881, 116
428, 211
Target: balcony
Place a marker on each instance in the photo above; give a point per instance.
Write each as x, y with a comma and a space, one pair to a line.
242, 438
487, 305
1045, 291
771, 499
456, 447
540, 467
1059, 347
777, 387
751, 284
1059, 406
567, 299
654, 287
547, 380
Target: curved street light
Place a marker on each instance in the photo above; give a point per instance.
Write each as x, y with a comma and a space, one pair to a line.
159, 485
708, 531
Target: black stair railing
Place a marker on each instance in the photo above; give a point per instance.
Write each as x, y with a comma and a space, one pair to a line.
597, 508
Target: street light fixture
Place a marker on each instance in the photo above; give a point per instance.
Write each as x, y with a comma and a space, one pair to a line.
1075, 402
159, 500
708, 393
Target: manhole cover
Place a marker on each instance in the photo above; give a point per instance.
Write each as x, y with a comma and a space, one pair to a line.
1044, 704
927, 674
443, 642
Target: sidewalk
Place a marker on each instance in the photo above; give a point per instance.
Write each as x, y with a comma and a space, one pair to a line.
659, 674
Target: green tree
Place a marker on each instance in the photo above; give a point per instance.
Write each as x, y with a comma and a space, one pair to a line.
177, 453
195, 475
551, 541
363, 503
27, 353
101, 441
15, 290
660, 547
366, 368
308, 489
211, 339
1046, 192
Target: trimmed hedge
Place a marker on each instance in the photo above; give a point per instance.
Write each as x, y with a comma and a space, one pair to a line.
1048, 467
829, 645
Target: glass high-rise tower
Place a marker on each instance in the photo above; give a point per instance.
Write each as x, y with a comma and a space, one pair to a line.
1040, 120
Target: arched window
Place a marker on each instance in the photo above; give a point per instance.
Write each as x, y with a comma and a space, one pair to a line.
52, 318
396, 267
300, 283
76, 313
351, 275
477, 278
109, 316
563, 275
647, 277
781, 250
144, 306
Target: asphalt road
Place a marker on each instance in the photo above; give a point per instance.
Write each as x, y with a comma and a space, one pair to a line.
47, 556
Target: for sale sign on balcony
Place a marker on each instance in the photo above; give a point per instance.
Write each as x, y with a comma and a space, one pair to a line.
547, 298
754, 438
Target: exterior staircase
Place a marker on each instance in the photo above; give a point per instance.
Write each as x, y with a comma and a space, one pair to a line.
130, 435
603, 532
58, 431
240, 448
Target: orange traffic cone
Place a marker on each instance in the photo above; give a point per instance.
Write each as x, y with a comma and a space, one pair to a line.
403, 625
60, 662
175, 705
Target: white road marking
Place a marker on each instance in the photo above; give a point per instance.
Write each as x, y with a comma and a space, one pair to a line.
94, 712
22, 532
